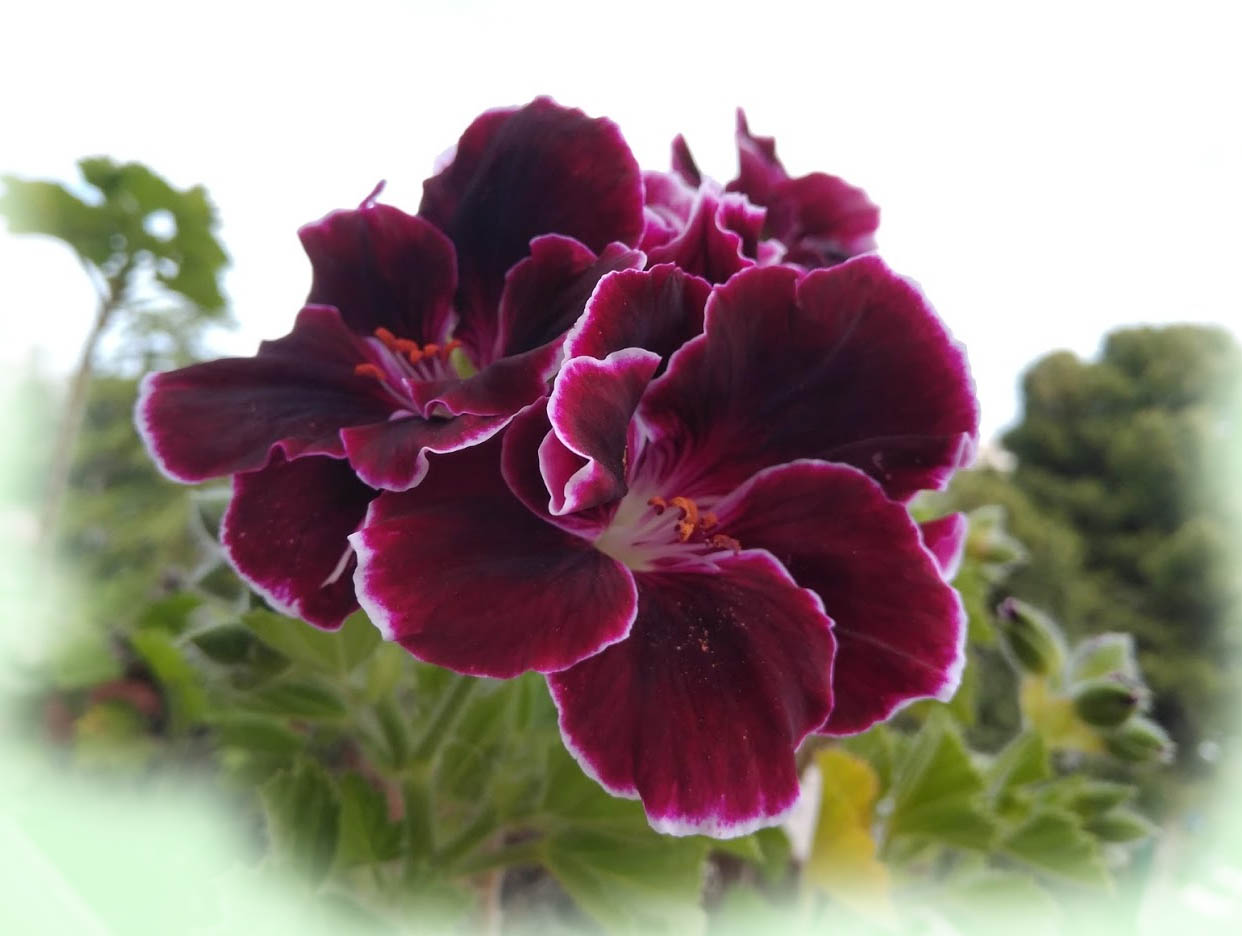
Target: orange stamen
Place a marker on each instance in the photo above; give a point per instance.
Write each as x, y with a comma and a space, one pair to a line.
708, 521
430, 349
720, 541
451, 347
368, 370
658, 504
387, 337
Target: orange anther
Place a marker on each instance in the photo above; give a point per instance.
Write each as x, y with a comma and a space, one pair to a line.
707, 521
720, 541
368, 370
659, 504
387, 337
689, 510
404, 345
451, 347
685, 530
430, 349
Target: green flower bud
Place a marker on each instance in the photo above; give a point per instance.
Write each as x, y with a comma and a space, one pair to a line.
1120, 825
988, 542
1033, 639
1108, 701
1140, 740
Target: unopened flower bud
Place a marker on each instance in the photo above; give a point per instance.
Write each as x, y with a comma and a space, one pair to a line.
1119, 825
1032, 638
1107, 702
1140, 740
988, 542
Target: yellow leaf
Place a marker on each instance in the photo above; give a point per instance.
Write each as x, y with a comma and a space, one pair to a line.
843, 862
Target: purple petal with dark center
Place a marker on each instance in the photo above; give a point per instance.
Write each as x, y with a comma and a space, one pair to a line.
499, 389
285, 532
221, 417
658, 309
699, 711
945, 538
713, 243
848, 364
590, 409
383, 268
516, 174
393, 455
545, 293
822, 220
900, 629
462, 575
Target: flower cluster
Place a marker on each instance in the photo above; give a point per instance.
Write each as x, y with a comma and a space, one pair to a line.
646, 434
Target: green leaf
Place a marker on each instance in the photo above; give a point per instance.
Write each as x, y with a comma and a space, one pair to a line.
1054, 843
265, 736
296, 700
366, 833
1103, 655
989, 901
228, 644
169, 614
1120, 825
37, 207
1023, 760
187, 700
336, 652
936, 791
303, 816
637, 882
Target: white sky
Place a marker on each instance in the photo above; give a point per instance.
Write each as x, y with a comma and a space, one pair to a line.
1047, 173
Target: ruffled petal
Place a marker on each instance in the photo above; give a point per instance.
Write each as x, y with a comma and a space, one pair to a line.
720, 238
590, 409
285, 532
700, 710
516, 174
822, 220
658, 309
848, 364
383, 268
499, 389
545, 293
462, 575
683, 162
393, 455
530, 452
945, 538
221, 417
900, 629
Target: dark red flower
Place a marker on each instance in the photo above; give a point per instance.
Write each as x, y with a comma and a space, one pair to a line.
421, 335
701, 535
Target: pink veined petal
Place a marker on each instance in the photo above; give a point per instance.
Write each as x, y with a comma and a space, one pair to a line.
590, 409
900, 628
462, 575
945, 539
699, 711
383, 268
499, 389
393, 455
520, 173
221, 417
848, 364
285, 532
716, 238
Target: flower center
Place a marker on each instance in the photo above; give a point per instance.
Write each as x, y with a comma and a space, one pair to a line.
653, 533
394, 362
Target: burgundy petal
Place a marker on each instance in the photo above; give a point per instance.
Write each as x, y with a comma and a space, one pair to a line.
821, 219
545, 293
658, 309
221, 417
464, 576
393, 455
714, 242
900, 629
383, 268
848, 364
516, 174
683, 162
591, 407
945, 538
285, 532
499, 389
531, 451
700, 710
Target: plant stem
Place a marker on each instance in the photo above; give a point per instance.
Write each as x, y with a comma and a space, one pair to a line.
442, 721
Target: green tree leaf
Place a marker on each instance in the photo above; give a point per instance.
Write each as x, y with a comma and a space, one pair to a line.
303, 816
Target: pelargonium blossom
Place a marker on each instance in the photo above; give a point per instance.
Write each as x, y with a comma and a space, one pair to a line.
763, 216
700, 536
421, 334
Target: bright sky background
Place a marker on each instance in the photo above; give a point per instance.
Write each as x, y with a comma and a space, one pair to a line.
1047, 172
